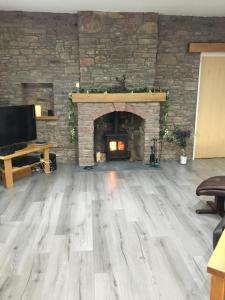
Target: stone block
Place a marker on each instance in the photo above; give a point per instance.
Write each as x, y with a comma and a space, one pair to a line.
119, 106
90, 22
99, 60
167, 59
86, 62
148, 27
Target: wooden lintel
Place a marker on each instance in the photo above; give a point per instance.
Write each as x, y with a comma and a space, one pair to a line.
118, 97
207, 47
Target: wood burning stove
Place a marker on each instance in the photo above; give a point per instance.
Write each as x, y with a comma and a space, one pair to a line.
117, 142
116, 146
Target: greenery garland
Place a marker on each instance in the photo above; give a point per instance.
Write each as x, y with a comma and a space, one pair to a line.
72, 120
118, 90
164, 117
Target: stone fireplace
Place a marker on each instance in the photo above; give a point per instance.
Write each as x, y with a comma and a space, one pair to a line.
108, 48
90, 113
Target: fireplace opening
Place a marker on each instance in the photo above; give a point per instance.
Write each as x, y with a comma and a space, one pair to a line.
119, 136
116, 142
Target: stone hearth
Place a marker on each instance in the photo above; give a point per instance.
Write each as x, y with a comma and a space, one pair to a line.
89, 112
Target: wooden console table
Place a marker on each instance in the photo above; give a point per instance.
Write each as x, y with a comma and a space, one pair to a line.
216, 267
8, 168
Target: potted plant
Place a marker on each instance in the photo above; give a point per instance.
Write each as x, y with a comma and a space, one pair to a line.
181, 138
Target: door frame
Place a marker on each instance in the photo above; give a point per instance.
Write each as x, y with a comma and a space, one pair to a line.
203, 54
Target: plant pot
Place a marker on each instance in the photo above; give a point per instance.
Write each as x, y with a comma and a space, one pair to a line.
183, 159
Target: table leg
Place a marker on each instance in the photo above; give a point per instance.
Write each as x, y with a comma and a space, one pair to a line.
46, 161
8, 173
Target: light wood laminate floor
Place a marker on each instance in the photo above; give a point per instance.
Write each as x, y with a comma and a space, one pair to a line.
118, 235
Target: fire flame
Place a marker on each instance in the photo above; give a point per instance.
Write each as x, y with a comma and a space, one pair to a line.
116, 146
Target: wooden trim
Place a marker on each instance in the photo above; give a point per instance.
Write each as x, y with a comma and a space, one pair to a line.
29, 149
217, 291
20, 173
216, 264
8, 173
47, 118
9, 170
118, 97
216, 267
207, 47
17, 169
46, 161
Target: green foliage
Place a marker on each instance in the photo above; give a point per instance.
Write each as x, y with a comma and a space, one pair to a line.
164, 117
118, 90
178, 136
72, 120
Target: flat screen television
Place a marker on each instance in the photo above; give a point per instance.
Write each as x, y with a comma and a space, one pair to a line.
17, 124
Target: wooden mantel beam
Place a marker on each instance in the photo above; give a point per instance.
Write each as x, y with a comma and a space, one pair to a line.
118, 97
207, 47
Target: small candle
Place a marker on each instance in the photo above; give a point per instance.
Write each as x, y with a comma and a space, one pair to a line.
38, 110
77, 85
98, 156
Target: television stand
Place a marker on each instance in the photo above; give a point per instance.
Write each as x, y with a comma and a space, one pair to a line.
18, 147
7, 150
9, 170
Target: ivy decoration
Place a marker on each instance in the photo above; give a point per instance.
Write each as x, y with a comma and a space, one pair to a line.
164, 117
72, 120
121, 88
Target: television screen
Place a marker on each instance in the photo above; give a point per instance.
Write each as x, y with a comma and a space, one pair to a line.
17, 124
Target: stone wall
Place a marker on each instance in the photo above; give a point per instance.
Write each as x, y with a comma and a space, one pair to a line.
178, 70
113, 44
151, 49
40, 48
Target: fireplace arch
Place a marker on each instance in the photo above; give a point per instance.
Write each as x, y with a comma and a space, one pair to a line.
124, 131
89, 112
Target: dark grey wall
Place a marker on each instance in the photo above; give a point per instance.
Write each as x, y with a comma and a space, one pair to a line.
178, 70
113, 44
40, 48
152, 50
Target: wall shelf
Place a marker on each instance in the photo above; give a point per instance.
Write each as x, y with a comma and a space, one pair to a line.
47, 118
207, 47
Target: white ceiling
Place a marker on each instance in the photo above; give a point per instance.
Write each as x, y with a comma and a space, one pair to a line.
168, 7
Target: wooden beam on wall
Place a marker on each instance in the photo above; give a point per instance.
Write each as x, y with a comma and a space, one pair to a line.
207, 47
118, 97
